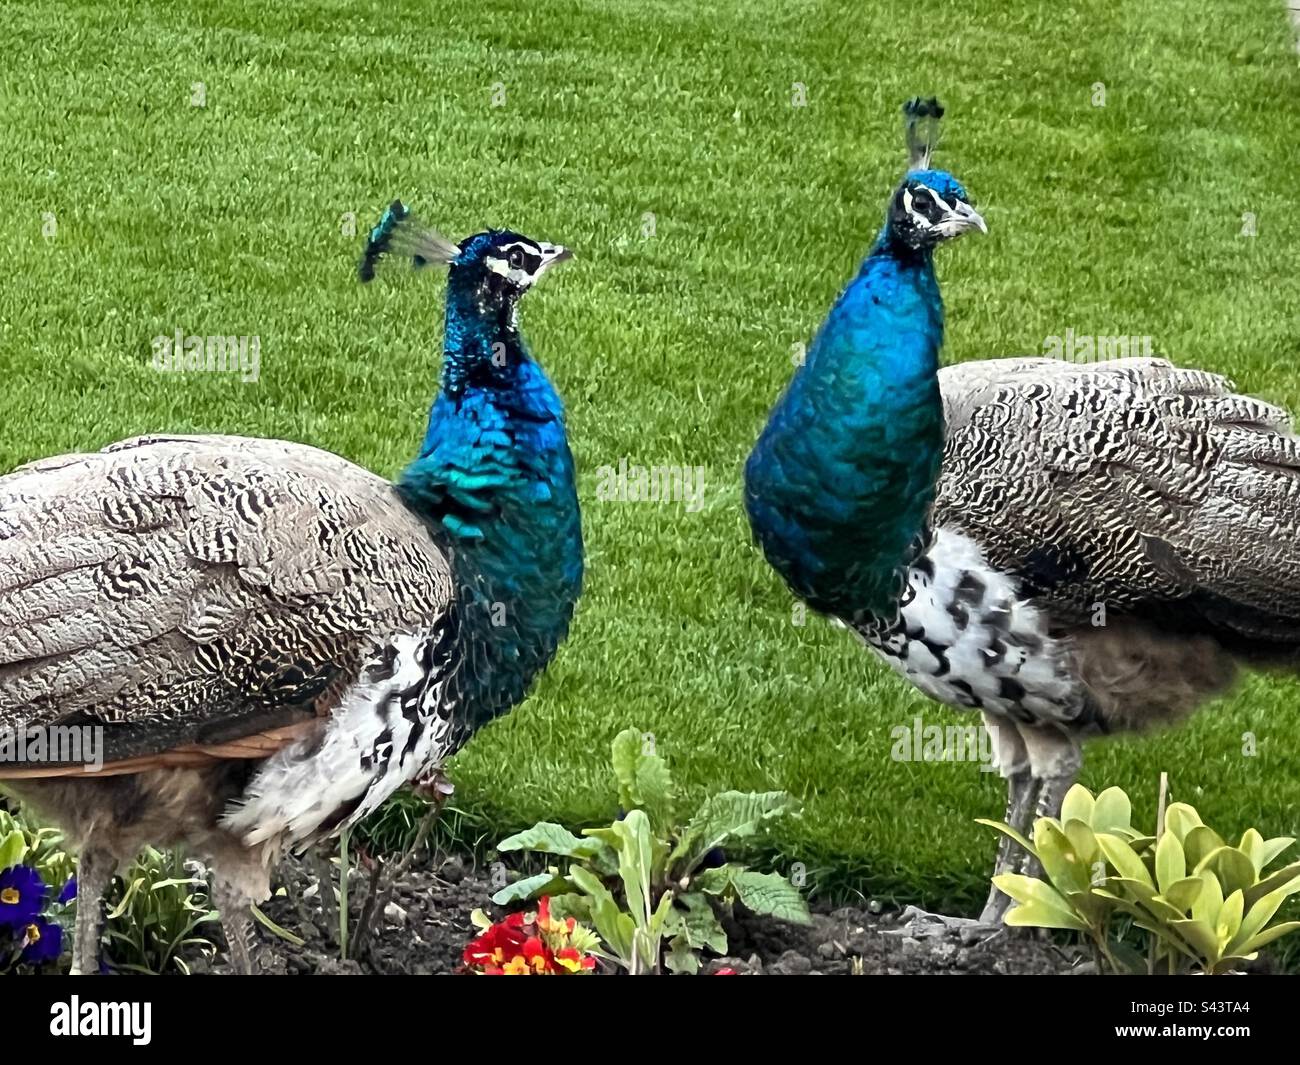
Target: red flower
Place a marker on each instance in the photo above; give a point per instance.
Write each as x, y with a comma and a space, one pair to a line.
497, 945
529, 944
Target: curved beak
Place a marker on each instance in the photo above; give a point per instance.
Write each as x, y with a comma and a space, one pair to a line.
961, 219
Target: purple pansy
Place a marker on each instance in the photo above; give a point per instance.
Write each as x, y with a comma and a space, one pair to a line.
44, 941
21, 893
69, 891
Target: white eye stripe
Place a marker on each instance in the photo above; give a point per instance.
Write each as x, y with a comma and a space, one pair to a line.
920, 219
516, 274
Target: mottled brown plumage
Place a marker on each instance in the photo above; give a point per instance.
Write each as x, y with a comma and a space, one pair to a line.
197, 589
1109, 542
208, 600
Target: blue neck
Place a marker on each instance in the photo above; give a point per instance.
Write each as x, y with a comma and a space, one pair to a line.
841, 481
495, 479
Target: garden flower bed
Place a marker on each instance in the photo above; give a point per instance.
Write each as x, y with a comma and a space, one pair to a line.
429, 924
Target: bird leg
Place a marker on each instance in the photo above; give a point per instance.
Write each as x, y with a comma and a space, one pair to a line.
436, 788
95, 871
1056, 759
320, 864
1011, 759
240, 878
237, 923
1022, 793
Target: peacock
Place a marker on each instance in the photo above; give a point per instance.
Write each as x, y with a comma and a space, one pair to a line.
1072, 550
271, 639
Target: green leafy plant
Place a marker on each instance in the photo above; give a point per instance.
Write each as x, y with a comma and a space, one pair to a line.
1204, 905
649, 884
157, 908
39, 848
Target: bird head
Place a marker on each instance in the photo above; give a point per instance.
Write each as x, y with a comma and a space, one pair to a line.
929, 206
499, 265
493, 268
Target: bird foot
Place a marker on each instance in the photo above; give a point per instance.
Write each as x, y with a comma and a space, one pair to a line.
917, 923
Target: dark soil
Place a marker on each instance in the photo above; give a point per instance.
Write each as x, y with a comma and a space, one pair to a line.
427, 925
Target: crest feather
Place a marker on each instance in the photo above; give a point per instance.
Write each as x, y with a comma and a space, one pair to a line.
921, 124
400, 233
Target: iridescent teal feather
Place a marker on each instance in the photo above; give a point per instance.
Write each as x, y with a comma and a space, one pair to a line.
495, 480
839, 486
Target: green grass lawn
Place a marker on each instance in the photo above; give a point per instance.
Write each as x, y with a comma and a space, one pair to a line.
228, 219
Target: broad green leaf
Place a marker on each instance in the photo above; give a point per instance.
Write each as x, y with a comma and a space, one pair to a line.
615, 927
699, 923
532, 887
1123, 857
660, 918
1267, 936
643, 779
1111, 811
1255, 918
1200, 842
1285, 879
1083, 840
1252, 845
725, 816
1182, 893
771, 894
1130, 961
12, 849
716, 881
1144, 894
1092, 908
1078, 805
1167, 937
546, 837
1038, 914
1007, 830
1171, 863
1027, 889
1123, 903
1209, 902
1200, 936
1060, 862
1271, 848
1180, 819
1235, 870
680, 957
635, 863
625, 752
1229, 922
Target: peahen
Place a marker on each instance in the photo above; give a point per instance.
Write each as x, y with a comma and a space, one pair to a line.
273, 639
1071, 550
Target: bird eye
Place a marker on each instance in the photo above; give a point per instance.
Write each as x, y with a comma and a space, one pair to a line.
515, 258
